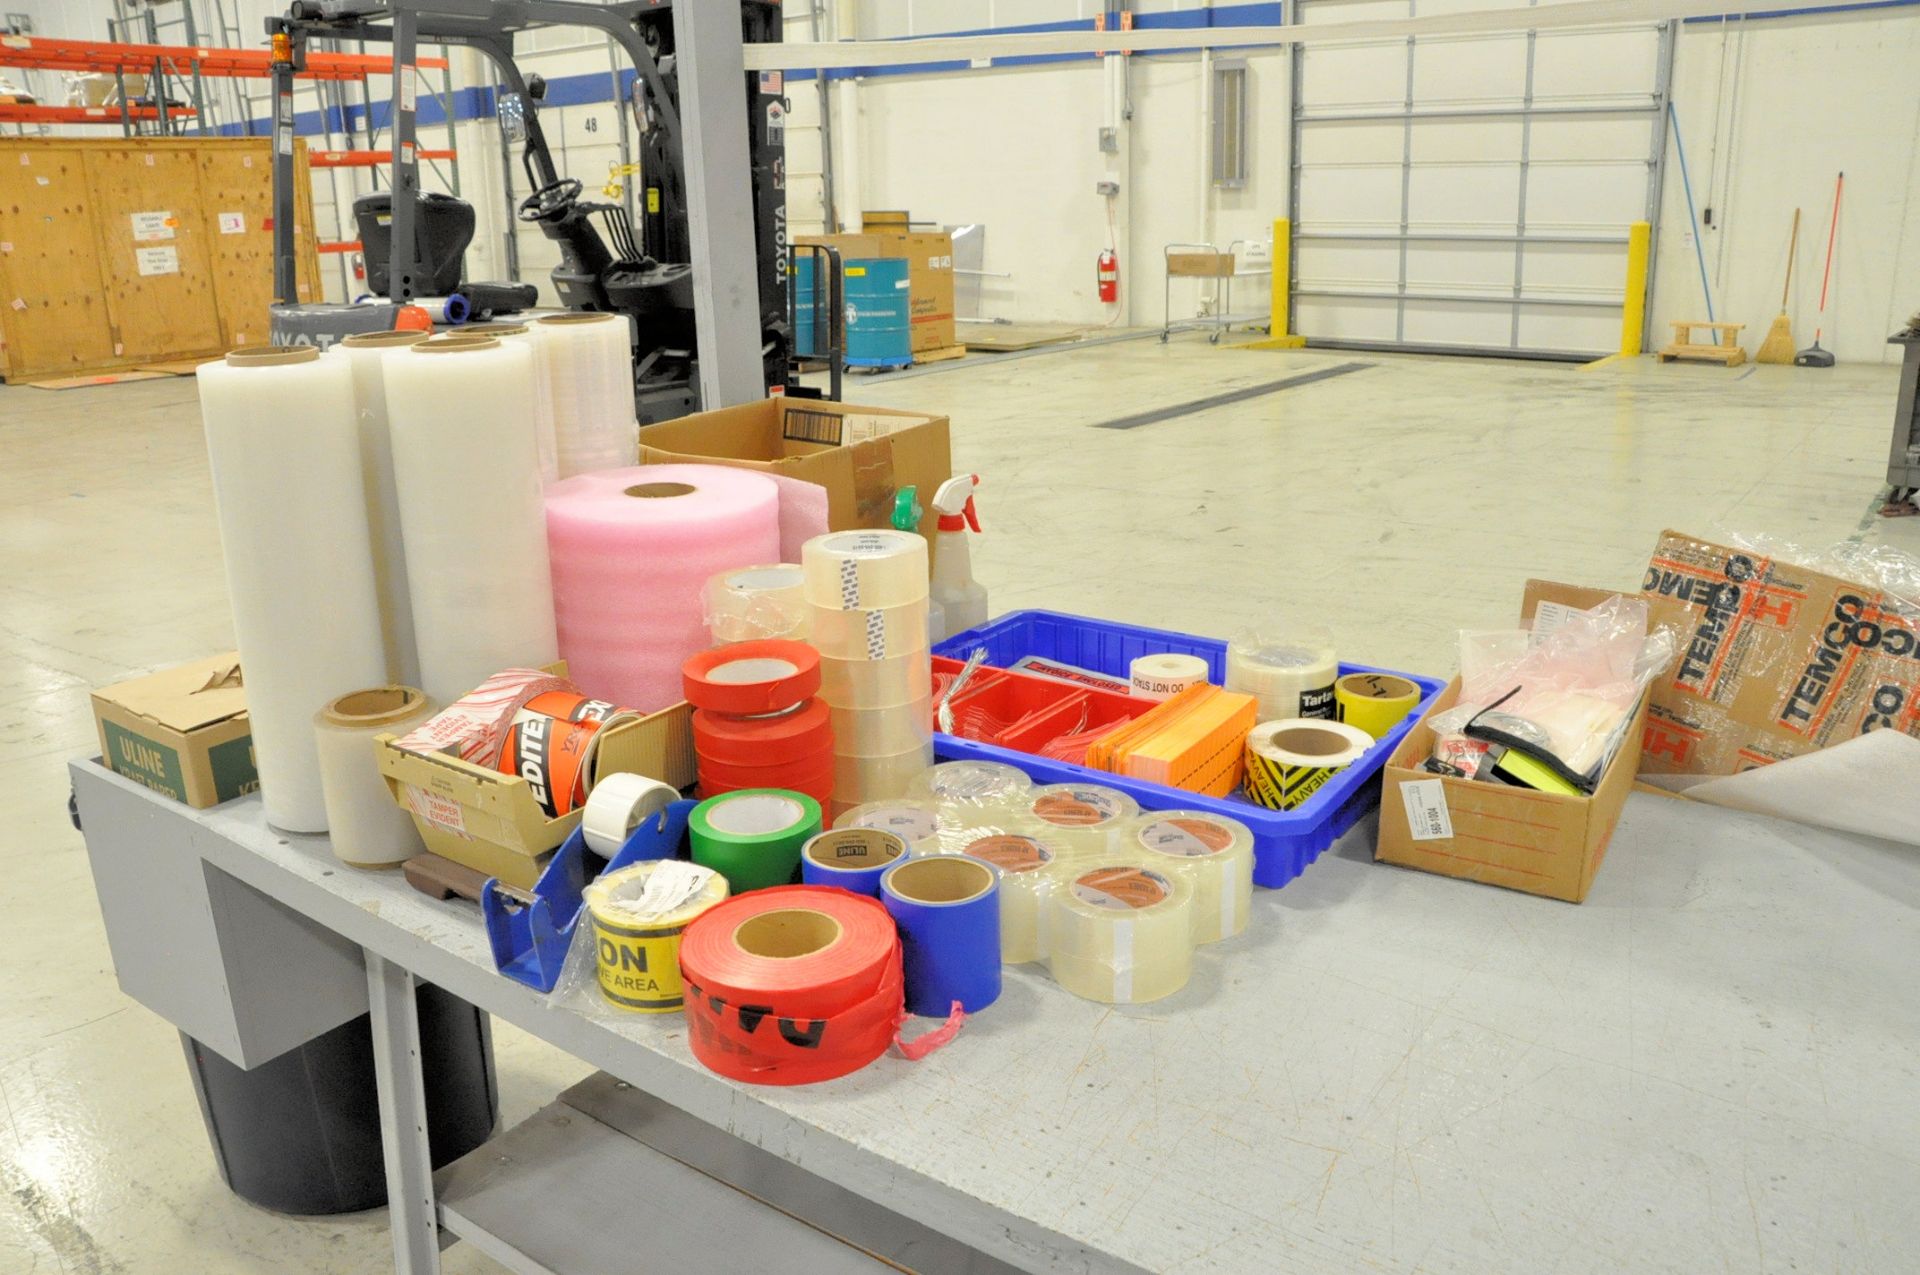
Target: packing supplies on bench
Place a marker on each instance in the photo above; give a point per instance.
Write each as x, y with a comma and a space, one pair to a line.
948, 911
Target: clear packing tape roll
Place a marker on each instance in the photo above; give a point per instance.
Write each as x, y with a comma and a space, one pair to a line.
883, 732
880, 634
973, 785
865, 570
1084, 817
367, 827
865, 779
1121, 932
1291, 673
1032, 867
1215, 856
915, 821
748, 603
876, 683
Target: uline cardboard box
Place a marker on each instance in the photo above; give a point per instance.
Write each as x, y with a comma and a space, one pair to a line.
929, 256
182, 732
1543, 843
1775, 660
863, 456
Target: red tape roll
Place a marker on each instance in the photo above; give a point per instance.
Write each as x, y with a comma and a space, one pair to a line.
791, 985
748, 678
804, 733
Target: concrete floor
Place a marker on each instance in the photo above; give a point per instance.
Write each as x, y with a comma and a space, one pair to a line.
1400, 502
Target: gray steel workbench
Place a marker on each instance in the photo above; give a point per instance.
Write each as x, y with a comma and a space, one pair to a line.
1712, 1064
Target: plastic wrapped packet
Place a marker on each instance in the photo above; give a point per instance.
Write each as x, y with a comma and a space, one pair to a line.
972, 785
746, 604
1289, 668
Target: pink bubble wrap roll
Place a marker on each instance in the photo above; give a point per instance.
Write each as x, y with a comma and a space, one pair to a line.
632, 550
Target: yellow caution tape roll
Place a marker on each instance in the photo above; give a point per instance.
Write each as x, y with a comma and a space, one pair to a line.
638, 914
1290, 760
1375, 702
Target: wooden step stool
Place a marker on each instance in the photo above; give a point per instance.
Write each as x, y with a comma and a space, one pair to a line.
1726, 349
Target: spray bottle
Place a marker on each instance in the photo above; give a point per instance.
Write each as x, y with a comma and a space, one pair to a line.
956, 594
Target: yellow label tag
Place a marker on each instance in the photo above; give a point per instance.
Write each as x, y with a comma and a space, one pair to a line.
855, 272
653, 199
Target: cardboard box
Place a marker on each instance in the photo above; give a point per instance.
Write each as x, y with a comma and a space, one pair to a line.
1543, 843
490, 822
1775, 660
861, 455
929, 257
182, 732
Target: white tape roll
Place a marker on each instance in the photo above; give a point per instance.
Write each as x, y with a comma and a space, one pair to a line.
882, 732
870, 635
1291, 677
1213, 852
617, 805
876, 683
1086, 817
751, 603
368, 828
977, 785
865, 570
858, 779
1162, 676
915, 821
1121, 932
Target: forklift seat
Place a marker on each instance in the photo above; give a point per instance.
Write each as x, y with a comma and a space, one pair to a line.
442, 229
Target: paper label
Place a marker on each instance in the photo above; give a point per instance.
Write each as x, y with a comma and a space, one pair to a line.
1058, 672
152, 261
1547, 617
1189, 838
1075, 807
1427, 816
409, 87
233, 223
855, 428
1011, 852
441, 812
18, 303
1122, 889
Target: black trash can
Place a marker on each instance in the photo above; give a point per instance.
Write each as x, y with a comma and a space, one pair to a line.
301, 1134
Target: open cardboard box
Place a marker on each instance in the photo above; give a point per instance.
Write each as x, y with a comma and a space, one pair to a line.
183, 732
490, 822
861, 455
1543, 843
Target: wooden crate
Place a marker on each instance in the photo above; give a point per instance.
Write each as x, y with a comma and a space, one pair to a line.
119, 252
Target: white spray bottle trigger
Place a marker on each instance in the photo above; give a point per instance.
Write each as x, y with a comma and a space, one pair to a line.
953, 501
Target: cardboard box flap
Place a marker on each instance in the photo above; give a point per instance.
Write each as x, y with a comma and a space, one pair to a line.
186, 698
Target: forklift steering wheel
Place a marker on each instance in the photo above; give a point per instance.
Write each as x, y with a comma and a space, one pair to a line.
551, 201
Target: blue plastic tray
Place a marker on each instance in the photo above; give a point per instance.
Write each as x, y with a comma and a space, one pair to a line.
1284, 841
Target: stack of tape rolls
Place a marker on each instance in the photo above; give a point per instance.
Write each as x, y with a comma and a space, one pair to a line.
368, 828
949, 917
747, 603
1214, 854
589, 366
1291, 673
1084, 817
521, 336
1121, 932
616, 807
633, 550
639, 915
551, 742
915, 820
791, 985
1159, 676
756, 723
973, 786
866, 594
283, 442
366, 354
1032, 867
1375, 702
466, 470
1288, 761
850, 858
753, 837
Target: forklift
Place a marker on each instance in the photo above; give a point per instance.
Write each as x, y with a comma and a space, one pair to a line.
415, 244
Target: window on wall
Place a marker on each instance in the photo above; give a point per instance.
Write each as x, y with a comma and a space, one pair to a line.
1230, 123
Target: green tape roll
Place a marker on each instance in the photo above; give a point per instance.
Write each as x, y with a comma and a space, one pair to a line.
753, 837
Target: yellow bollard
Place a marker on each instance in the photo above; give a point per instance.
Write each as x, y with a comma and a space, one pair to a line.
1278, 338
1633, 315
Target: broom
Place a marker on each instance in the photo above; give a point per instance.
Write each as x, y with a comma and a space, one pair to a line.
1778, 347
1813, 355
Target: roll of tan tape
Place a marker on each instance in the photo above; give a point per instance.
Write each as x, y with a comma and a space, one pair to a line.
1288, 761
882, 732
881, 634
876, 683
1161, 676
1375, 702
1121, 932
864, 570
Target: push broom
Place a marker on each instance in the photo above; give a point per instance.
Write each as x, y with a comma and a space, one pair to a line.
1778, 347
1813, 355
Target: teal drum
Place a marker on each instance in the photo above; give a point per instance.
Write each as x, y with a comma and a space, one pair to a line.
878, 323
802, 299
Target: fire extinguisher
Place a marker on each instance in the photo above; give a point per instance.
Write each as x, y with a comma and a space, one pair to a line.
1109, 275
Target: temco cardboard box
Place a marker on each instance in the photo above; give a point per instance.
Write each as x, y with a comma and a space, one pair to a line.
1775, 660
863, 456
182, 732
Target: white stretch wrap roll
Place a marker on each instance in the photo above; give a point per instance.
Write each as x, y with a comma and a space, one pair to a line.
367, 827
467, 470
283, 442
518, 334
589, 363
366, 352
619, 804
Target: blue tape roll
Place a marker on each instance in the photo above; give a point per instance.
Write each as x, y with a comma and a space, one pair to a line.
851, 858
948, 910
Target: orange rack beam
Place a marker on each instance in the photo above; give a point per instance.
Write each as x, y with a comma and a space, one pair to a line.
365, 159
34, 52
343, 245
18, 113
